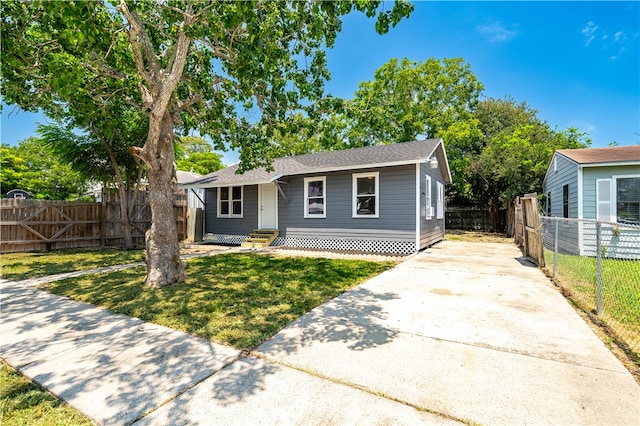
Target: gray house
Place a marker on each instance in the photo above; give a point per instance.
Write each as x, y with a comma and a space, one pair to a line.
594, 183
382, 199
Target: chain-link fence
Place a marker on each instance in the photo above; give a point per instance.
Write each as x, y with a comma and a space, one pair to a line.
598, 264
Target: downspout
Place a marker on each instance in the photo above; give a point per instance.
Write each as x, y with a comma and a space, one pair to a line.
417, 207
580, 212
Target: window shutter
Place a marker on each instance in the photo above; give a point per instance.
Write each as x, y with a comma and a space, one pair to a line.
603, 199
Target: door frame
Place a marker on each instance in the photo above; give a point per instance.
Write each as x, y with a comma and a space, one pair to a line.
260, 204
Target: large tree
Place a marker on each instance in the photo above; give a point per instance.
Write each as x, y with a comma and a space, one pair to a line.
186, 63
517, 148
408, 100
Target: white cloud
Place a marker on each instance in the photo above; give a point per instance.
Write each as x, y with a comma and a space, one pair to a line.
619, 35
614, 43
589, 32
497, 32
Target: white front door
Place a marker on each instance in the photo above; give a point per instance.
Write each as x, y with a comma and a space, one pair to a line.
268, 204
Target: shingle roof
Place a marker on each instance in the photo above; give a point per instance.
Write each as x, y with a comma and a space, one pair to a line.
603, 155
348, 159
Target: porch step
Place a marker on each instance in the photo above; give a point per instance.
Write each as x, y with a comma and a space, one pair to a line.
260, 238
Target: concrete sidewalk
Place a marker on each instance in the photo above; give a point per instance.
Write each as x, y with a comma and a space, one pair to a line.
444, 337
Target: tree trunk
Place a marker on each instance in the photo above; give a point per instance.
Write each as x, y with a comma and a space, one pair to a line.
124, 201
494, 213
126, 220
164, 266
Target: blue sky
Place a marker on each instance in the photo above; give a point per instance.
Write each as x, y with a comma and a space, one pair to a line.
577, 63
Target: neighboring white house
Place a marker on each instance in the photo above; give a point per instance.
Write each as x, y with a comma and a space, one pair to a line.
595, 183
195, 196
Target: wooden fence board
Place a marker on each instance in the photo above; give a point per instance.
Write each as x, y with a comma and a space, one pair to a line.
37, 225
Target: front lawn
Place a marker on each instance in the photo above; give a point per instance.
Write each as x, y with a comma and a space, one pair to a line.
239, 299
18, 266
24, 403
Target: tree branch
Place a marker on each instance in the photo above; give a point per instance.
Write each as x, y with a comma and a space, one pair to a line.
136, 32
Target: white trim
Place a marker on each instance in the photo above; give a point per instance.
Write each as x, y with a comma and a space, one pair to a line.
354, 199
230, 201
417, 207
612, 163
307, 215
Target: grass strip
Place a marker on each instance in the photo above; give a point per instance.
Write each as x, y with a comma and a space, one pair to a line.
24, 403
18, 266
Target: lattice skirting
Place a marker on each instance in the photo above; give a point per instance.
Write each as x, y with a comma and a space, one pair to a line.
225, 238
371, 246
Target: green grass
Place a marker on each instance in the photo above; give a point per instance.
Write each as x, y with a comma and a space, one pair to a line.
24, 403
239, 299
18, 266
620, 290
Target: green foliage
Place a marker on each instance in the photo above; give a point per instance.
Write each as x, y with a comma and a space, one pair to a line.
239, 299
195, 154
34, 167
248, 66
409, 99
22, 402
200, 162
518, 147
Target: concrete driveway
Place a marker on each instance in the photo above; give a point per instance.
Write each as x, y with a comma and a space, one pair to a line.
460, 333
470, 331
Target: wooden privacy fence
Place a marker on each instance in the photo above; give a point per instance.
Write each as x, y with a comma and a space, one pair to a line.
527, 232
37, 225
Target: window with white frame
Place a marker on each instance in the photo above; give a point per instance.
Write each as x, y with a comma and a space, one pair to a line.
230, 201
429, 205
315, 197
618, 199
628, 199
366, 197
440, 206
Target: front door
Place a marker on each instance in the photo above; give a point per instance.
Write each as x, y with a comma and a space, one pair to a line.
268, 203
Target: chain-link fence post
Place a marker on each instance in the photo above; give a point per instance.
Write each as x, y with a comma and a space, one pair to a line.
555, 251
598, 269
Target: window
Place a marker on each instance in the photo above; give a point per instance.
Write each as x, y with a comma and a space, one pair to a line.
230, 201
565, 201
365, 195
628, 200
315, 197
440, 207
549, 203
429, 208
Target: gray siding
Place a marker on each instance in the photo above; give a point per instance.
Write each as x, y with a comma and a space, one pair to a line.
589, 177
431, 230
566, 173
232, 226
396, 221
